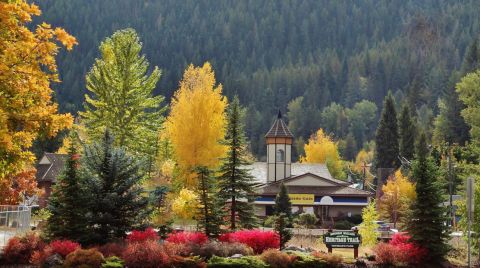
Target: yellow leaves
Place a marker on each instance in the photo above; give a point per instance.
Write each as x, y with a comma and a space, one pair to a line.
322, 149
197, 120
185, 205
66, 39
398, 194
26, 107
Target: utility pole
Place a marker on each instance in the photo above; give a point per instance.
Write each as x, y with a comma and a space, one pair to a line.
364, 166
450, 185
470, 209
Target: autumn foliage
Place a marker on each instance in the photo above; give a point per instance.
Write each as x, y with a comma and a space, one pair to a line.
322, 149
63, 247
258, 240
27, 67
399, 251
197, 120
187, 237
140, 236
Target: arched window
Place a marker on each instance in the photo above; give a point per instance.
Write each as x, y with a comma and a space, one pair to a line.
280, 155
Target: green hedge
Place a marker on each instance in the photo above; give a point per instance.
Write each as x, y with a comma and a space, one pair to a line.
243, 262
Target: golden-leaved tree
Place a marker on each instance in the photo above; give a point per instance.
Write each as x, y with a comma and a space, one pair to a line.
27, 67
398, 195
322, 149
197, 120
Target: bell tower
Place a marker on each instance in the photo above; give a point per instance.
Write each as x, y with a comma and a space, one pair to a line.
279, 150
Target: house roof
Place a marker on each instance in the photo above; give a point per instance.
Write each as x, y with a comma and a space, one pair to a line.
341, 190
279, 129
50, 167
259, 171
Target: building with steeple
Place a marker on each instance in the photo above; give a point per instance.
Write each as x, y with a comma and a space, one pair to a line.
311, 187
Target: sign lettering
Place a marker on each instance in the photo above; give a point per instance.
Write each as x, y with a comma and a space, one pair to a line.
302, 199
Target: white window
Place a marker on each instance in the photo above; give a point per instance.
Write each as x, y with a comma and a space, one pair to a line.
280, 155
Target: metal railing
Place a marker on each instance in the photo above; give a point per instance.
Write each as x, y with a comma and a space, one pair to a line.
14, 220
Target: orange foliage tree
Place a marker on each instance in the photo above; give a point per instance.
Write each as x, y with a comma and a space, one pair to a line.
27, 67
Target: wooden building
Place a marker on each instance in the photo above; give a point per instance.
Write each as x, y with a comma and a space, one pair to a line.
311, 187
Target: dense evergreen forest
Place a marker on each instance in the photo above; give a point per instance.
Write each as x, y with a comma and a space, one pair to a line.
314, 60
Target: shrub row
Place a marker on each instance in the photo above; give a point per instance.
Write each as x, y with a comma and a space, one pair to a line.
144, 249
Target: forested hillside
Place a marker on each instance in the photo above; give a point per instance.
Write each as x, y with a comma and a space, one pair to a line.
288, 55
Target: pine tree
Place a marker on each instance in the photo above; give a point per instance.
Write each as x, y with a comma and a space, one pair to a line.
235, 182
407, 133
426, 224
387, 136
122, 95
67, 200
283, 204
117, 203
281, 224
209, 216
471, 60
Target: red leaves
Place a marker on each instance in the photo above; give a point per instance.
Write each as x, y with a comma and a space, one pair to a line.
399, 250
257, 240
145, 254
187, 237
140, 236
63, 247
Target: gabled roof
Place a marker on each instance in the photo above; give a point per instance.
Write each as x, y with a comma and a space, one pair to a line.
274, 189
279, 129
259, 171
52, 168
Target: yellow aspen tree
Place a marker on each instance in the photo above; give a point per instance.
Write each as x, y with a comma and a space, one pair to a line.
322, 149
398, 195
27, 67
185, 205
197, 121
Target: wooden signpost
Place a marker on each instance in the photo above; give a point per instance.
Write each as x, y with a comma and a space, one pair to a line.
342, 239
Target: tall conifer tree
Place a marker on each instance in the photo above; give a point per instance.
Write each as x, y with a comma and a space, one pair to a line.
235, 183
427, 220
67, 201
122, 98
116, 204
210, 212
387, 136
407, 133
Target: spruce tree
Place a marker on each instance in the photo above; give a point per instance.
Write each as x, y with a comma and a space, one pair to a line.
117, 203
282, 203
427, 221
236, 186
67, 200
210, 211
407, 133
387, 136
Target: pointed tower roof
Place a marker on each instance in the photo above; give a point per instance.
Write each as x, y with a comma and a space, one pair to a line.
279, 128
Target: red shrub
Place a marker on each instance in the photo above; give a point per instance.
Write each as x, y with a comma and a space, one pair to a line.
258, 240
63, 247
91, 258
408, 251
400, 250
112, 249
139, 236
148, 254
386, 254
40, 256
187, 237
19, 250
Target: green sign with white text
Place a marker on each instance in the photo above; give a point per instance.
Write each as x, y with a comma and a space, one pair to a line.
342, 239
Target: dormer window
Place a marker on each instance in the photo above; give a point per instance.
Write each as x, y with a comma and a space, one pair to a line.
280, 157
